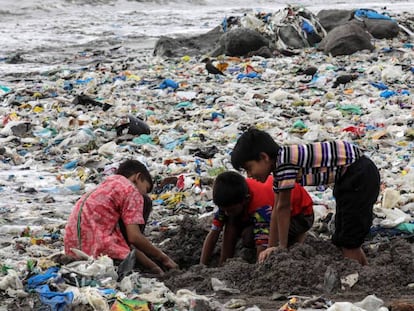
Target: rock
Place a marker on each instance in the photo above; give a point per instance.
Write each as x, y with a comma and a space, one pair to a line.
192, 46
346, 39
239, 42
382, 29
333, 18
378, 28
264, 51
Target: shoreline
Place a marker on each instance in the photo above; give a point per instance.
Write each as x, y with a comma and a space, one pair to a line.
43, 57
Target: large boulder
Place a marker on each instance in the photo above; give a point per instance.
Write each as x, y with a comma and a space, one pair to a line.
381, 28
193, 46
239, 42
330, 19
379, 25
346, 39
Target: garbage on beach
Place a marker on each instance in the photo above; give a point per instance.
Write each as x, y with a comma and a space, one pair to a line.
65, 130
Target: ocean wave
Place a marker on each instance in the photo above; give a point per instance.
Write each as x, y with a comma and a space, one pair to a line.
163, 2
90, 2
28, 7
5, 13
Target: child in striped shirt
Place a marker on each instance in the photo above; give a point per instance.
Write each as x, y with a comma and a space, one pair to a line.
355, 177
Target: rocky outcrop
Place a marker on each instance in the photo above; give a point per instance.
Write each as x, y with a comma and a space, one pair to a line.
382, 29
240, 42
330, 19
192, 46
349, 31
378, 28
346, 39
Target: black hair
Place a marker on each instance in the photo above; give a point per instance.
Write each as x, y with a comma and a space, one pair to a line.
131, 167
249, 146
229, 188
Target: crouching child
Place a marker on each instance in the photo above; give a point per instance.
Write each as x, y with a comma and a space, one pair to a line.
244, 211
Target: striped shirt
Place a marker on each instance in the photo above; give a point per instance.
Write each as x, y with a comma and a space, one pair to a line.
313, 164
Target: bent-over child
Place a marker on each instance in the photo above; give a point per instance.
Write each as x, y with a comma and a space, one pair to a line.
355, 177
244, 209
94, 223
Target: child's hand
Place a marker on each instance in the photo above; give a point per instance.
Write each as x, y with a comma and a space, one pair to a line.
168, 263
157, 270
265, 254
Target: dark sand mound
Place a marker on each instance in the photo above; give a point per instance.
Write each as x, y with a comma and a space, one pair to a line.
312, 269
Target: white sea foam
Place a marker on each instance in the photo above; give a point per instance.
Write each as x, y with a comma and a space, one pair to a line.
49, 24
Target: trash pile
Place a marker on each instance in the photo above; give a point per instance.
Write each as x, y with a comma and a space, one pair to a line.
62, 131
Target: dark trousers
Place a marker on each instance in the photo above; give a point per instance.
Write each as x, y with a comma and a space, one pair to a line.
355, 192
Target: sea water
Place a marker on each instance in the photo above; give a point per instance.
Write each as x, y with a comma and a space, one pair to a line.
45, 32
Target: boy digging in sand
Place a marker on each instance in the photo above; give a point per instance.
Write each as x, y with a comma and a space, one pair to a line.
93, 226
356, 180
245, 207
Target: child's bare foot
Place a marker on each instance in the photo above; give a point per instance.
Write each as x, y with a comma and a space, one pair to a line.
356, 254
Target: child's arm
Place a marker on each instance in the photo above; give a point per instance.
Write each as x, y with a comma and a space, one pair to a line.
230, 236
208, 246
279, 224
136, 238
273, 230
282, 217
261, 228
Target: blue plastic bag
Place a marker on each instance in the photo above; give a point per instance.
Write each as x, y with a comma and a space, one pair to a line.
168, 83
40, 279
371, 14
379, 85
70, 165
215, 115
306, 27
83, 81
250, 75
388, 93
56, 300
